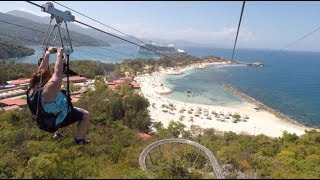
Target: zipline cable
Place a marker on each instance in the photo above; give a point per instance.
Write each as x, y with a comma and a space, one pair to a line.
294, 42
302, 38
115, 36
98, 21
122, 39
235, 42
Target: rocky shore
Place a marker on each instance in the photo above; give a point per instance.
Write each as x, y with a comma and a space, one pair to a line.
262, 106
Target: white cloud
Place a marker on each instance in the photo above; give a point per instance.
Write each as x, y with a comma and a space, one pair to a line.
225, 35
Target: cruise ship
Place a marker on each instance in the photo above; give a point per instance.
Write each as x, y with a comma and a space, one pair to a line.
151, 48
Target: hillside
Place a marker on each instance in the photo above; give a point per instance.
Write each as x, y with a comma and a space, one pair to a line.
96, 34
116, 116
12, 50
12, 30
72, 26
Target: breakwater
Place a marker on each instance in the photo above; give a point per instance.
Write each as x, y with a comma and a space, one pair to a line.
262, 106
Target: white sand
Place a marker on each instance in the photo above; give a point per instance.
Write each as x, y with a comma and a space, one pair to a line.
259, 122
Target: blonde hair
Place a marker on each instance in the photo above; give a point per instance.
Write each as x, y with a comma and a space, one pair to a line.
36, 78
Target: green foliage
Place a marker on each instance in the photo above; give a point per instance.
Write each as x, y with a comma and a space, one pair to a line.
27, 152
110, 106
236, 116
136, 66
99, 84
176, 128
11, 70
268, 157
115, 118
124, 88
13, 50
90, 69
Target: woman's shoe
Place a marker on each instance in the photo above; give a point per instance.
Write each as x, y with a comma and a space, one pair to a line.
57, 135
81, 141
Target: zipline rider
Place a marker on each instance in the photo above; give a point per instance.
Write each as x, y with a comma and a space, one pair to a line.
50, 106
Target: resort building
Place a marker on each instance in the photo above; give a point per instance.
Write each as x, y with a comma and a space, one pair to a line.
114, 84
143, 136
19, 82
12, 104
19, 87
12, 92
75, 79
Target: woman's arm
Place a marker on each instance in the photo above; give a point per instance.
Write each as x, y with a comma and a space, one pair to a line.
45, 61
53, 86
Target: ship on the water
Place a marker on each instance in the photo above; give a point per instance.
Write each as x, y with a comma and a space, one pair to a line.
152, 48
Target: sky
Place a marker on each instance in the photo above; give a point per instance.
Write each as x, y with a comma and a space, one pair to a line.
265, 24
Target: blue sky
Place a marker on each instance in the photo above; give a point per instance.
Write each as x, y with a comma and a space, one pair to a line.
269, 24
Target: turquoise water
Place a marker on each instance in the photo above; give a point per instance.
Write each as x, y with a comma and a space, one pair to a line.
206, 86
289, 82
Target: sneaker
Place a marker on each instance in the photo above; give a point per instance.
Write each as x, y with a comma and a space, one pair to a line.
81, 141
57, 135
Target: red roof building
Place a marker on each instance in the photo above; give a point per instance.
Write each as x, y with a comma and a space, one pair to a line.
80, 91
119, 81
135, 85
114, 84
143, 136
10, 102
75, 79
19, 81
14, 107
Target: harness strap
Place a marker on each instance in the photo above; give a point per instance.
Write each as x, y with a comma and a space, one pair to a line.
68, 82
39, 95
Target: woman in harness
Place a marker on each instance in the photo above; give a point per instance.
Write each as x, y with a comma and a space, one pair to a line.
53, 100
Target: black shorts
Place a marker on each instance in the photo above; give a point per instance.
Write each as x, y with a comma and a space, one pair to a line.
75, 115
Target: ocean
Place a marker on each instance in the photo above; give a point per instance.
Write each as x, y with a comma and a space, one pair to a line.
92, 53
289, 82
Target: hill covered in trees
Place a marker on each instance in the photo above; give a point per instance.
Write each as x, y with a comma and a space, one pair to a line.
12, 50
72, 26
36, 36
12, 70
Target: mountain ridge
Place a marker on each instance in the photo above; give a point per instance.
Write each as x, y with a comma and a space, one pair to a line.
35, 36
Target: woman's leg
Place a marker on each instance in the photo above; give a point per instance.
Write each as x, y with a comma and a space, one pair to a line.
82, 124
80, 116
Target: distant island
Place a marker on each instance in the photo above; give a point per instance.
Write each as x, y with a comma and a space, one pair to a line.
13, 50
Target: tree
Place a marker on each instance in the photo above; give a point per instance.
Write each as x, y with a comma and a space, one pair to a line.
176, 128
99, 84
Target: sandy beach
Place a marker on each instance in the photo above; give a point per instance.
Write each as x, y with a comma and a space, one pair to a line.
246, 118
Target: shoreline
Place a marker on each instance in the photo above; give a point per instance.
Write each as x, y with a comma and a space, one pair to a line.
263, 106
265, 121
